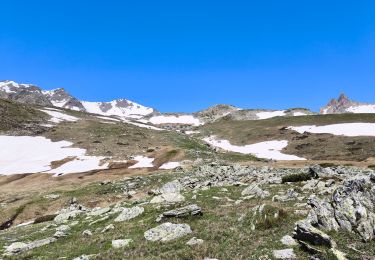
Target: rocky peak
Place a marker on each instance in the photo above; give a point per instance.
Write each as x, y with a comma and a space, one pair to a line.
338, 106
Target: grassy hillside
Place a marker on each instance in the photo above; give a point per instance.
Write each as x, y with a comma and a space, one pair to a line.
310, 146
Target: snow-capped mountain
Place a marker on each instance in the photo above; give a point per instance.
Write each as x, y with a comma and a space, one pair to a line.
26, 93
344, 105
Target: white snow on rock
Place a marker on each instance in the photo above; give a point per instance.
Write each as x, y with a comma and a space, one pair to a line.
27, 154
362, 109
117, 109
266, 115
170, 165
175, 119
346, 129
267, 150
143, 162
58, 116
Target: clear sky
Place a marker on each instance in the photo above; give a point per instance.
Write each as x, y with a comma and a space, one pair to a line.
187, 55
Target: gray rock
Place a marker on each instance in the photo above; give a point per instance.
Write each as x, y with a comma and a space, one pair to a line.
65, 217
322, 214
255, 190
19, 247
284, 254
304, 231
190, 210
172, 187
291, 194
107, 228
129, 213
167, 232
99, 211
288, 241
354, 207
168, 198
120, 243
194, 241
87, 233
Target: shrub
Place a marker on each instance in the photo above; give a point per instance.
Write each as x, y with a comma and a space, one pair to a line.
296, 177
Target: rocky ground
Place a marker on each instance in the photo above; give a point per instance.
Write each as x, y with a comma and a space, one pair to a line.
211, 211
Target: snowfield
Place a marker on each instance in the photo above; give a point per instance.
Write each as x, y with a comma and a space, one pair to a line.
143, 162
177, 119
267, 150
362, 109
266, 115
57, 116
347, 129
27, 154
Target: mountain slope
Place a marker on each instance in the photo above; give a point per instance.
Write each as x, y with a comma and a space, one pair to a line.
30, 94
344, 105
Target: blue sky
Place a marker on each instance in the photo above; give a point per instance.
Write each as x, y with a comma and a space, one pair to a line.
188, 55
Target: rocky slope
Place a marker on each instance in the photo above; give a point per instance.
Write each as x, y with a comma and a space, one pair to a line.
210, 211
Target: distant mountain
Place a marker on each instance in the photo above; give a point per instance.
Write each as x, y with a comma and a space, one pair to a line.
344, 105
31, 94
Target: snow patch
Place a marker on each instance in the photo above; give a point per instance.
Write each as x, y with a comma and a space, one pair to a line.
362, 109
175, 119
58, 117
143, 162
299, 114
266, 115
346, 129
268, 150
170, 165
80, 164
27, 154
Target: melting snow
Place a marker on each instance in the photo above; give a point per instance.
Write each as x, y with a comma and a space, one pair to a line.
143, 162
266, 115
81, 164
347, 129
170, 165
27, 154
268, 150
175, 119
58, 117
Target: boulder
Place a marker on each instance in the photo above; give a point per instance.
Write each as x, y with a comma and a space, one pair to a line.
304, 231
168, 198
167, 232
322, 214
190, 210
129, 213
120, 243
